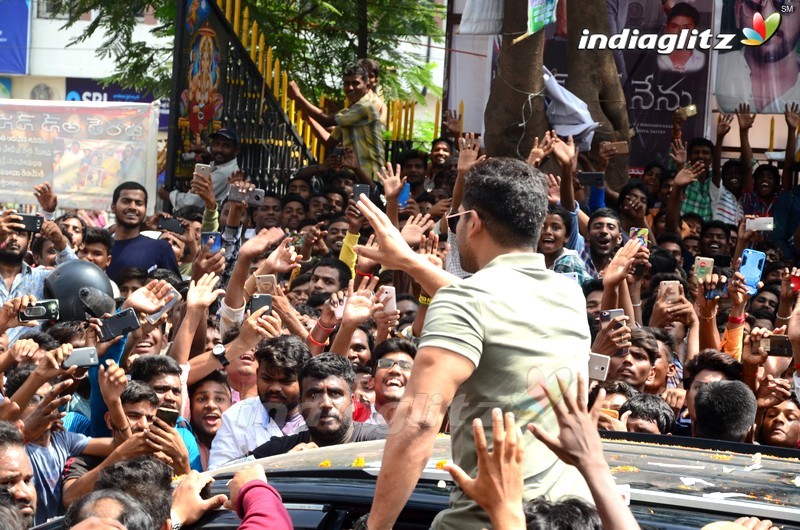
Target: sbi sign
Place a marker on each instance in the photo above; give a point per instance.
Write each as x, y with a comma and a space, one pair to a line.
102, 96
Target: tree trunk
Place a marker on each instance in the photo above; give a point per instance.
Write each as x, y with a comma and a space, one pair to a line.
362, 35
593, 78
519, 75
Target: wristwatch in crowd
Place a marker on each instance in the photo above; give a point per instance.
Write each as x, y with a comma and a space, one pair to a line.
218, 352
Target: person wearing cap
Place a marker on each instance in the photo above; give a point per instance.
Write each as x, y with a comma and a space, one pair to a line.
224, 150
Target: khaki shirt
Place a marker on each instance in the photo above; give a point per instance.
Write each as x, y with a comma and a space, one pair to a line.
519, 324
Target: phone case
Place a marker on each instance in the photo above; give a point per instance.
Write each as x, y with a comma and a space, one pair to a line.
607, 316
168, 416
387, 298
216, 246
41, 310
359, 189
171, 225
591, 179
598, 366
640, 233
202, 169
261, 300
33, 223
752, 266
669, 290
176, 297
703, 266
405, 194
82, 358
118, 325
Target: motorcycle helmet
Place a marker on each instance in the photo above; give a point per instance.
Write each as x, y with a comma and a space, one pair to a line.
82, 288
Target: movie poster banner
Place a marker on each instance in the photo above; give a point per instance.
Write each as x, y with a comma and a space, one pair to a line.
763, 71
84, 150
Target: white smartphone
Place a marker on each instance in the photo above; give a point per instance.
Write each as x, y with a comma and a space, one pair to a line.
386, 294
573, 275
203, 169
669, 290
338, 311
265, 283
598, 366
760, 224
176, 297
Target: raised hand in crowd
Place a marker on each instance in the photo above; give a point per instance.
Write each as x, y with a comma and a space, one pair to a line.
540, 150
415, 228
150, 298
46, 197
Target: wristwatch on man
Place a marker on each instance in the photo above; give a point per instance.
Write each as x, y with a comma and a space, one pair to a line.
218, 351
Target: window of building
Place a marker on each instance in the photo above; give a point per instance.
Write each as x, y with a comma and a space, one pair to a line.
46, 9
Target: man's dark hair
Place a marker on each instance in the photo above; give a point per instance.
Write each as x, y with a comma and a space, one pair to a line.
662, 261
98, 235
767, 168
130, 185
136, 392
716, 224
216, 376
724, 410
45, 341
67, 216
334, 263
131, 273
510, 197
683, 9
651, 408
131, 515
412, 154
37, 245
699, 142
405, 297
443, 140
393, 345
592, 286
193, 214
567, 513
563, 213
326, 365
148, 367
66, 332
644, 339
691, 216
286, 353
612, 387
356, 70
771, 288
372, 66
293, 197
16, 378
10, 436
732, 164
146, 479
662, 336
712, 360
168, 275
670, 237
605, 212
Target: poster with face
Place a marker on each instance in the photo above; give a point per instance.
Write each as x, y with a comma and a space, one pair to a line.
763, 69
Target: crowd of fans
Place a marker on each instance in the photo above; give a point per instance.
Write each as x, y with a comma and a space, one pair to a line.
356, 284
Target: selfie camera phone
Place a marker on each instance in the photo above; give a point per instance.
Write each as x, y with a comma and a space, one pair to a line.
591, 179
607, 316
260, 300
41, 310
168, 416
777, 346
360, 189
760, 224
265, 283
33, 223
118, 325
703, 266
405, 194
598, 366
254, 197
752, 267
170, 225
176, 297
669, 290
82, 358
216, 246
386, 294
203, 170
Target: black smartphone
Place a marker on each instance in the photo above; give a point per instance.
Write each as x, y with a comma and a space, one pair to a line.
41, 310
170, 225
82, 358
777, 346
33, 223
168, 416
216, 246
118, 325
358, 189
591, 179
260, 300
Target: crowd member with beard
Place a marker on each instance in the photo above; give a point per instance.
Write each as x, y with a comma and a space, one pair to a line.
634, 365
210, 398
16, 473
714, 239
337, 231
327, 384
293, 212
329, 275
604, 238
392, 362
18, 277
163, 375
224, 150
131, 248
441, 150
274, 413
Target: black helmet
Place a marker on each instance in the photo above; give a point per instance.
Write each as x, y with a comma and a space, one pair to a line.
81, 287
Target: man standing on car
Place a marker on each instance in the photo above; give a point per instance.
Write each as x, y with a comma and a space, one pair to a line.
491, 340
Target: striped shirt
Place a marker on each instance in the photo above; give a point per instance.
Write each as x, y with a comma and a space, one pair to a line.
725, 206
359, 127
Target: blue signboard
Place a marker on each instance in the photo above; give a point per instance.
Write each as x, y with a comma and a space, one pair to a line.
90, 90
14, 26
